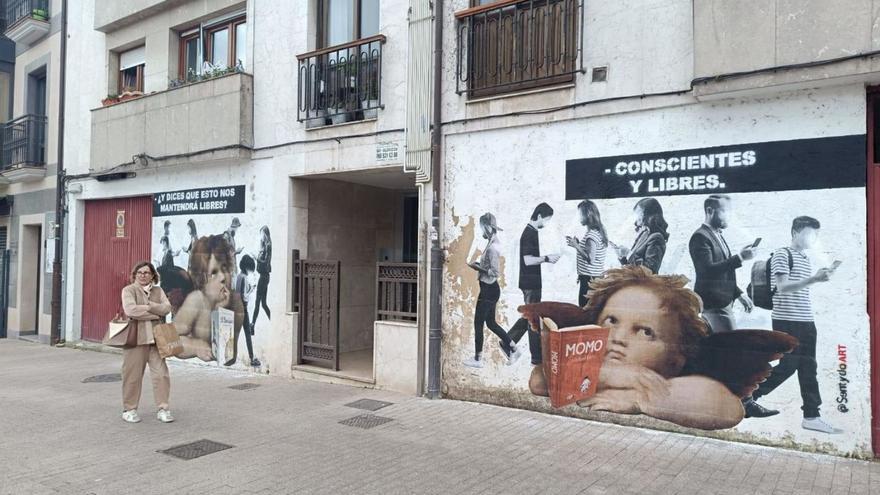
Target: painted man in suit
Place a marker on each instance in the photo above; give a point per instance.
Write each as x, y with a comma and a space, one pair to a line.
716, 266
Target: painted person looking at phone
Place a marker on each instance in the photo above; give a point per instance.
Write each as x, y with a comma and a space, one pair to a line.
590, 248
793, 315
716, 265
650, 244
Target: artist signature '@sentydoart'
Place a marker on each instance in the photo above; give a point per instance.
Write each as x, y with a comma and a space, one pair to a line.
842, 384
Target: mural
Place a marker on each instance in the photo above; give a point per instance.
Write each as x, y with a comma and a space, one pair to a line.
707, 318
210, 278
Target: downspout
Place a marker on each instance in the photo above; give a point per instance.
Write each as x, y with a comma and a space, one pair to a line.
434, 320
55, 330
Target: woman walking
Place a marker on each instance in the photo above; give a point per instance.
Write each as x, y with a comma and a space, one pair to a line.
264, 268
591, 248
193, 236
650, 245
145, 303
489, 268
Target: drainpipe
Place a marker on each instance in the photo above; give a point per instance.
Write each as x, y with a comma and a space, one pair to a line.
434, 320
55, 330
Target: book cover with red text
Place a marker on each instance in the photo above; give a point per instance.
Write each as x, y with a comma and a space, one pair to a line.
572, 361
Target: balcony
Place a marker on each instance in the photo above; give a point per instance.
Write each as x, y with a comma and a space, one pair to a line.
204, 121
514, 45
24, 149
27, 20
341, 83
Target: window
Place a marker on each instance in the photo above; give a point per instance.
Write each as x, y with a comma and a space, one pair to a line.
225, 43
131, 70
342, 21
189, 55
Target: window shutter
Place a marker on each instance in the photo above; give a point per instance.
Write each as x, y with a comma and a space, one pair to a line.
419, 95
132, 58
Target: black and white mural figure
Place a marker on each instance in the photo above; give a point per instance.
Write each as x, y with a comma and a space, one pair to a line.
193, 235
716, 264
489, 269
244, 288
591, 248
264, 268
792, 276
650, 244
229, 235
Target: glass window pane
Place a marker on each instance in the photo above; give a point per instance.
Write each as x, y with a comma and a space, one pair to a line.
369, 18
240, 43
191, 61
220, 48
130, 79
340, 22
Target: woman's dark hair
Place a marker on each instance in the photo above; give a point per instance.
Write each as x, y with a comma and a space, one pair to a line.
247, 264
140, 265
593, 219
192, 227
265, 228
653, 216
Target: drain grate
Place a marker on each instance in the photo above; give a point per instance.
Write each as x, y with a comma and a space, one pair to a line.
112, 377
195, 449
369, 404
245, 386
366, 421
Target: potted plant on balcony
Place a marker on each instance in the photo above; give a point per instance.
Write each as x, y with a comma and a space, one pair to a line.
40, 14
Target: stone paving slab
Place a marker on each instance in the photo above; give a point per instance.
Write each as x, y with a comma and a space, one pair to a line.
61, 436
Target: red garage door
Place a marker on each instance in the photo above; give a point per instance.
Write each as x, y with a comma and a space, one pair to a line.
117, 235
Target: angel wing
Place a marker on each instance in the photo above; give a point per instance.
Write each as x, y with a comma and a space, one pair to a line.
563, 314
177, 284
740, 359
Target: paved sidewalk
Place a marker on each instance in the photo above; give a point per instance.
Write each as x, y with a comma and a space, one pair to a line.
60, 435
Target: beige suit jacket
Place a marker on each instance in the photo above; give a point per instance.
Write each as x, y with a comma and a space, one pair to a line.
145, 310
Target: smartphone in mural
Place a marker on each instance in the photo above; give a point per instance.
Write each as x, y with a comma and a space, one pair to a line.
835, 265
757, 241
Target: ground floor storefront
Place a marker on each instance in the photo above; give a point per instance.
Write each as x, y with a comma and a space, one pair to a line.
786, 166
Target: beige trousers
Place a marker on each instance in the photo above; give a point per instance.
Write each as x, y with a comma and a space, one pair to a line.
134, 360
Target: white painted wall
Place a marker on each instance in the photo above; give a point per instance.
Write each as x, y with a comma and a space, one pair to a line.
509, 171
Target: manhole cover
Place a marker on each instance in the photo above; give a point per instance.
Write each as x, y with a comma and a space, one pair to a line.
245, 386
112, 377
366, 421
369, 404
195, 449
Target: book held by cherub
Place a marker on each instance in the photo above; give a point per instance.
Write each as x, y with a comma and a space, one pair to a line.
572, 360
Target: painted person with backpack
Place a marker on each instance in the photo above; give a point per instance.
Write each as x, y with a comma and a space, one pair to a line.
791, 278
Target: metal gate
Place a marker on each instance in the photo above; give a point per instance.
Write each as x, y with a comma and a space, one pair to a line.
4, 291
319, 313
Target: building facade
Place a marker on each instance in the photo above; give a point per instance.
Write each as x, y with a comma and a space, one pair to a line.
29, 102
257, 156
643, 111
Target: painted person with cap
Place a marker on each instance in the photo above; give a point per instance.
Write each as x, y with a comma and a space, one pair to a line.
229, 235
489, 268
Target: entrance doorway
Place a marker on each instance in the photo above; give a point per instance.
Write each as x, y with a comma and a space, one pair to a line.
362, 248
873, 235
31, 277
117, 234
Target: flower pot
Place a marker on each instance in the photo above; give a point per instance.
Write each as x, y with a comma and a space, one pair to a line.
340, 118
371, 109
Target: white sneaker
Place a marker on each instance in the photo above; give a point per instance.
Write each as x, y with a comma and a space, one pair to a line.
517, 352
164, 415
819, 424
131, 416
473, 362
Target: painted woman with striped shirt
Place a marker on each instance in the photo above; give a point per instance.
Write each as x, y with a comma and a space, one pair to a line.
590, 248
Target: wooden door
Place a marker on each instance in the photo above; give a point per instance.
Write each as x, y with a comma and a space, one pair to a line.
117, 235
319, 313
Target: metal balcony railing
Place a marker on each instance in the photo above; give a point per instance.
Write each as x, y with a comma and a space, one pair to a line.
341, 83
518, 44
17, 10
24, 142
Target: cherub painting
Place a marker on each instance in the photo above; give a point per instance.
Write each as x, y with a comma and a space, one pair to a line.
661, 360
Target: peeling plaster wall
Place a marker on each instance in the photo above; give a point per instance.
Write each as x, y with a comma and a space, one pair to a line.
509, 171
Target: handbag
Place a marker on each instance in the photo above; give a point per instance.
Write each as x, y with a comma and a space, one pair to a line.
121, 333
167, 340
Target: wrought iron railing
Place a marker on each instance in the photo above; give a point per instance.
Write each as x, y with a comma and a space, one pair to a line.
518, 44
341, 83
17, 10
24, 142
397, 293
